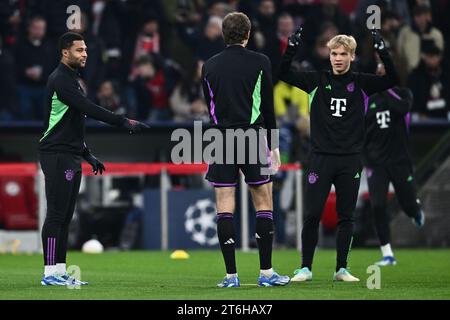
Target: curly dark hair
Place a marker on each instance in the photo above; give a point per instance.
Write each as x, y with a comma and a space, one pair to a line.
235, 28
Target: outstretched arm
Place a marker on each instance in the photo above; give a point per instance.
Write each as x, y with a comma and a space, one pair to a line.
68, 93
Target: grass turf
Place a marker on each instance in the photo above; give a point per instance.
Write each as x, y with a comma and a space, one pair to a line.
419, 274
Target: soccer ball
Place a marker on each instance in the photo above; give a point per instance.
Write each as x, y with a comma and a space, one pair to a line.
92, 246
200, 222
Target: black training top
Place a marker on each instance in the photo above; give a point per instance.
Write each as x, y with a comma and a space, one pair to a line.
65, 111
238, 89
387, 124
337, 103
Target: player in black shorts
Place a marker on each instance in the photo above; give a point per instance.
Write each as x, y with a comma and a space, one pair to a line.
238, 90
387, 159
62, 149
338, 102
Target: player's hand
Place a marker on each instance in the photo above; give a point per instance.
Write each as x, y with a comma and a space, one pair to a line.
134, 126
378, 42
295, 38
276, 160
97, 165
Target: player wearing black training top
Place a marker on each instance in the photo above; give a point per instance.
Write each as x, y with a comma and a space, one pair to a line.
238, 90
61, 150
338, 102
387, 159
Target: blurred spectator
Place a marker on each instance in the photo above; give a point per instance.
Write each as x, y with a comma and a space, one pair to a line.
108, 98
94, 71
205, 43
147, 42
410, 37
320, 58
35, 58
366, 59
430, 84
104, 24
290, 102
277, 44
189, 13
150, 94
187, 100
264, 25
55, 13
220, 8
10, 19
400, 7
7, 84
326, 11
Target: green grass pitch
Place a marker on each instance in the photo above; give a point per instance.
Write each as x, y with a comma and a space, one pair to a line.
419, 274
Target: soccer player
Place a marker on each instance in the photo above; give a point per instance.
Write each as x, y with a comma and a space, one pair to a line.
338, 102
61, 150
387, 159
238, 90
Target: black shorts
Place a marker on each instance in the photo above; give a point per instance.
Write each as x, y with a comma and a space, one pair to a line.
252, 158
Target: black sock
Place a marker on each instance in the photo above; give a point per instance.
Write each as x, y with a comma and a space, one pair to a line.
225, 233
61, 248
343, 242
264, 237
310, 237
381, 219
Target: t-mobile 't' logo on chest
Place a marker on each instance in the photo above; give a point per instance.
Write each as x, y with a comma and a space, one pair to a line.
383, 118
338, 106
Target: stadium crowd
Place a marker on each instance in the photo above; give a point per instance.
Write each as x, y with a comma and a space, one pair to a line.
145, 56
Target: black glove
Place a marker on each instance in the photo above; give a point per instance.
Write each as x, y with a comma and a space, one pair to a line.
97, 166
378, 42
295, 38
134, 126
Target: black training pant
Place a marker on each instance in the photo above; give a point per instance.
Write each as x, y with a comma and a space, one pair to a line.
62, 183
401, 176
343, 171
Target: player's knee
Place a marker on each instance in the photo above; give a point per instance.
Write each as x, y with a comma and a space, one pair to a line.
312, 220
54, 218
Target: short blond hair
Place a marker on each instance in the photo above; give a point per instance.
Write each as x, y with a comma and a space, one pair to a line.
348, 42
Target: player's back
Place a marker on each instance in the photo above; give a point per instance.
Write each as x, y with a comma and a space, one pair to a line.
233, 85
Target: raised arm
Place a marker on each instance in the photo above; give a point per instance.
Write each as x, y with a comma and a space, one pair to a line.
371, 83
306, 81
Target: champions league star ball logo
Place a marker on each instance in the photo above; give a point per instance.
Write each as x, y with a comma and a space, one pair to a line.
312, 178
200, 222
69, 174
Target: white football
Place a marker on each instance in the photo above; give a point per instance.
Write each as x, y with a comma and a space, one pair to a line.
92, 246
